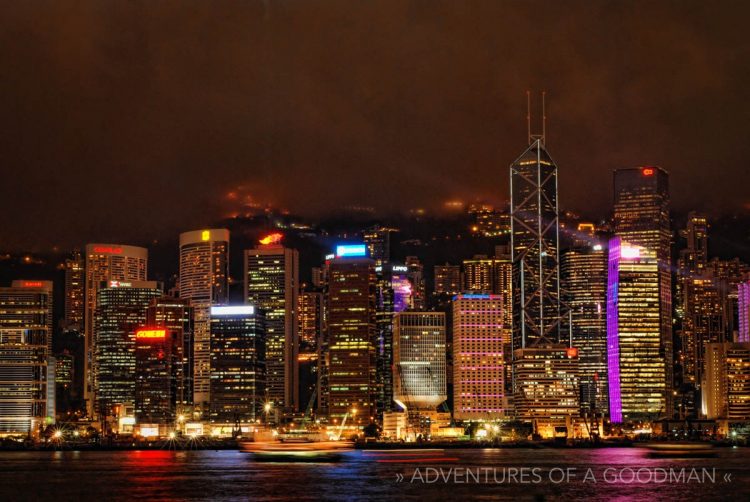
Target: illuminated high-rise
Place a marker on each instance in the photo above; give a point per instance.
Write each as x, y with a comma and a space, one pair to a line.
175, 315
311, 322
237, 364
641, 218
635, 350
415, 273
25, 341
204, 280
105, 263
75, 282
726, 382
584, 277
419, 365
743, 308
546, 386
272, 285
378, 242
535, 247
394, 294
351, 355
158, 374
447, 279
120, 312
478, 359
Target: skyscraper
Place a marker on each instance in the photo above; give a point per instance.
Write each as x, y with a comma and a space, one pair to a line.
726, 381
25, 340
158, 375
75, 282
478, 359
415, 273
351, 341
419, 365
535, 245
106, 263
204, 280
237, 364
272, 285
635, 350
378, 241
447, 279
175, 316
641, 219
743, 308
584, 277
394, 294
120, 312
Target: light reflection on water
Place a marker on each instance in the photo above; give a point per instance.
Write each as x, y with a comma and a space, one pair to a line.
231, 475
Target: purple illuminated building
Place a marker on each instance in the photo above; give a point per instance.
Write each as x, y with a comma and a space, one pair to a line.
636, 363
743, 304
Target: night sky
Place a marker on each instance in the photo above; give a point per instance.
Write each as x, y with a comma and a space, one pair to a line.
129, 121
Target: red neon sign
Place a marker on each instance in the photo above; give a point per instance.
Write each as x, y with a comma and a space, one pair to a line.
572, 352
648, 171
107, 250
31, 284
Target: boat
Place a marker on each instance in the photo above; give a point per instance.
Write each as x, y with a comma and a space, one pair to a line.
680, 449
295, 446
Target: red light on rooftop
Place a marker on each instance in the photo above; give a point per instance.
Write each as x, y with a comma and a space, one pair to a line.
572, 352
31, 284
272, 239
648, 171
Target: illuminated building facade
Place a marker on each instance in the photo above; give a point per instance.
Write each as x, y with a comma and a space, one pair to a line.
378, 242
311, 319
105, 263
743, 308
158, 373
641, 218
535, 247
25, 340
415, 273
120, 312
726, 381
75, 292
635, 352
351, 355
447, 279
394, 294
204, 280
478, 359
272, 285
419, 365
237, 364
175, 315
547, 384
584, 277
488, 221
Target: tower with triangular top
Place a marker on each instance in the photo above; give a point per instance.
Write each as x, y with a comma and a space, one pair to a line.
535, 243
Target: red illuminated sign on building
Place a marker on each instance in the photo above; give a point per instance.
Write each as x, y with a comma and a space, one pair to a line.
572, 352
31, 284
107, 250
648, 171
151, 334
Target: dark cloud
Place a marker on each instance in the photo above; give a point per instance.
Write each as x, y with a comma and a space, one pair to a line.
128, 120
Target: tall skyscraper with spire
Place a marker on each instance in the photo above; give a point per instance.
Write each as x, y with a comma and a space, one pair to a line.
535, 247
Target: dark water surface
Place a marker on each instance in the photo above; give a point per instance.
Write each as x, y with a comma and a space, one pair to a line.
438, 475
